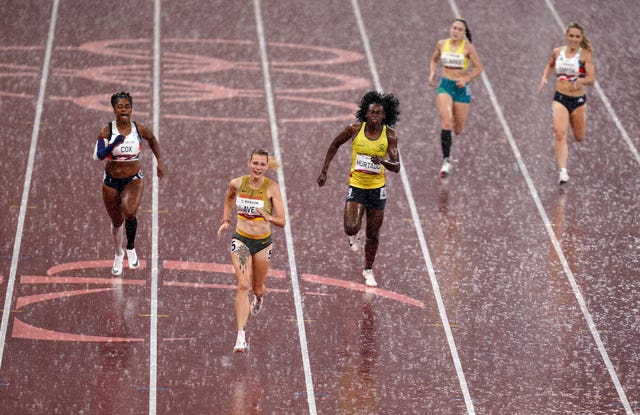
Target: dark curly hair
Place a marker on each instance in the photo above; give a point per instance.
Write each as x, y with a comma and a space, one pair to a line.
389, 103
119, 95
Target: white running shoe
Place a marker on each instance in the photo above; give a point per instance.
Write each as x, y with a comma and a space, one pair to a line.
117, 264
369, 278
257, 305
354, 242
446, 167
241, 343
132, 258
564, 177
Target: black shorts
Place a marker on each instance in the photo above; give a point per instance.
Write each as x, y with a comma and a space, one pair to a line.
369, 198
254, 245
120, 184
570, 103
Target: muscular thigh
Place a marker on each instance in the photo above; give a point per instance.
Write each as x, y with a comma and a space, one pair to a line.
353, 212
131, 196
460, 112
374, 220
560, 116
444, 103
241, 260
578, 122
111, 199
262, 261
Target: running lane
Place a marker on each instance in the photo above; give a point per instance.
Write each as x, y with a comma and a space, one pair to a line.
524, 341
372, 350
213, 114
77, 340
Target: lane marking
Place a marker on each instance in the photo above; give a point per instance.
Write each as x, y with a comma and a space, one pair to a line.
421, 238
556, 244
264, 59
153, 322
27, 177
549, 227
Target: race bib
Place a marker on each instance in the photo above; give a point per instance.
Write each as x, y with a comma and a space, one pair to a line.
249, 207
365, 165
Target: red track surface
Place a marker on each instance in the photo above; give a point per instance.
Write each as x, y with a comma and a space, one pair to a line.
522, 339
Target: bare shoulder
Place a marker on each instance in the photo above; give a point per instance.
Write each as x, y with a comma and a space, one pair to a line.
274, 188
439, 45
104, 133
349, 132
354, 127
235, 183
145, 132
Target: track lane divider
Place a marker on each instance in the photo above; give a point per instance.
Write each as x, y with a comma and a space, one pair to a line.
421, 238
44, 78
264, 59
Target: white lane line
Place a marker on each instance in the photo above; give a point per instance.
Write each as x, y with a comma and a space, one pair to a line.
556, 244
418, 226
27, 177
603, 97
153, 329
290, 251
558, 248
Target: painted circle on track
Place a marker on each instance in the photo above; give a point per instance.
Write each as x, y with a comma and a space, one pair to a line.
24, 330
196, 71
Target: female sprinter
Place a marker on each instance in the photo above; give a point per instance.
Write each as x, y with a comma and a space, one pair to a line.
258, 204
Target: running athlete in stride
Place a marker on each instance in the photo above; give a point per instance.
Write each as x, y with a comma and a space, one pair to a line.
257, 202
120, 143
453, 95
372, 140
573, 64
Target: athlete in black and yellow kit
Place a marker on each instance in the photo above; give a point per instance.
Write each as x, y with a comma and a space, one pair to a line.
258, 204
372, 141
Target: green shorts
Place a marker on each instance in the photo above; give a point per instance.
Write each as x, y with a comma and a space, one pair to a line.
448, 86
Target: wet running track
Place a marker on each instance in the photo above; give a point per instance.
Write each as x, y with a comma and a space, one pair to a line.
499, 292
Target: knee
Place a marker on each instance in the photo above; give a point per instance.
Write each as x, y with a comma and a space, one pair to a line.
457, 130
129, 216
561, 135
351, 228
372, 237
243, 287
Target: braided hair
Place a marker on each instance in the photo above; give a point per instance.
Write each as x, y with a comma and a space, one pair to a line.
119, 95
